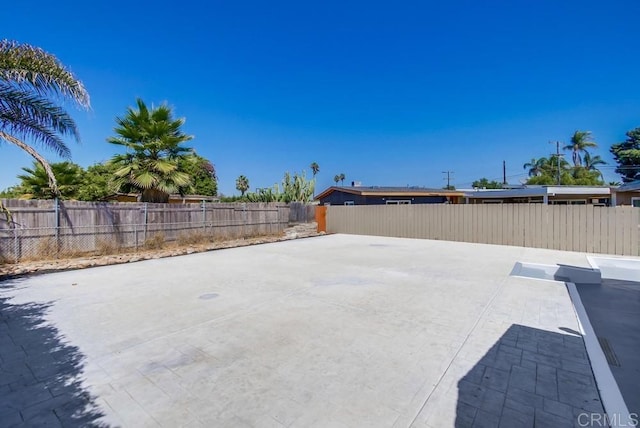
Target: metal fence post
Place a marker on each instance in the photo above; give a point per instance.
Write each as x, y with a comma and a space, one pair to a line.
57, 223
135, 237
244, 219
16, 249
204, 218
146, 215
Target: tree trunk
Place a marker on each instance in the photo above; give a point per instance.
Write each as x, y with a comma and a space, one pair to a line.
154, 196
53, 183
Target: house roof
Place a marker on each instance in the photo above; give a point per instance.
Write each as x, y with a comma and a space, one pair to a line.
389, 191
629, 187
531, 191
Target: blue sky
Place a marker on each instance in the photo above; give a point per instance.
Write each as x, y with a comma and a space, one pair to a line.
388, 94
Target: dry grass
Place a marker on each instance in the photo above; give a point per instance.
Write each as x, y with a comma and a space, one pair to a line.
192, 238
5, 259
47, 248
155, 242
105, 246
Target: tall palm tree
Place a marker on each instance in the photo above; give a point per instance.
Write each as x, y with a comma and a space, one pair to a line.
591, 163
336, 178
342, 177
315, 168
152, 139
580, 142
35, 183
535, 166
31, 81
242, 184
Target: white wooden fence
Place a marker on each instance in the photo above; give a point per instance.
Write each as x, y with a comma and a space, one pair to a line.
584, 228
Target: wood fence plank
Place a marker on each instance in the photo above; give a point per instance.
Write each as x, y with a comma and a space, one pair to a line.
626, 232
588, 231
611, 230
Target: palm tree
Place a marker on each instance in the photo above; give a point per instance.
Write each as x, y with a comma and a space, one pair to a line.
315, 168
152, 139
35, 183
591, 163
31, 80
535, 166
242, 184
580, 141
342, 177
336, 178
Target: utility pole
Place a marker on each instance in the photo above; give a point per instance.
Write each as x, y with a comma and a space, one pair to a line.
558, 155
504, 172
449, 174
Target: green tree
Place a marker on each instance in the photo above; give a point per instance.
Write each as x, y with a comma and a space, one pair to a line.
546, 171
342, 177
336, 178
577, 175
31, 81
35, 184
544, 180
12, 192
582, 176
484, 183
98, 182
242, 184
153, 142
203, 174
315, 168
580, 141
627, 156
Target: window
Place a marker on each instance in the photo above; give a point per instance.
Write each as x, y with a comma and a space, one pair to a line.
635, 202
492, 201
399, 202
349, 203
568, 202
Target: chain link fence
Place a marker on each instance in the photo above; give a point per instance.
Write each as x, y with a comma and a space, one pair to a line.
39, 230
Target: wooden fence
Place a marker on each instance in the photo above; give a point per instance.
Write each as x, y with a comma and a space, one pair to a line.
302, 213
42, 228
583, 228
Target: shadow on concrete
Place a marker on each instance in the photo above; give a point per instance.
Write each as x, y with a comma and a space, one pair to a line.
613, 308
40, 374
531, 378
558, 272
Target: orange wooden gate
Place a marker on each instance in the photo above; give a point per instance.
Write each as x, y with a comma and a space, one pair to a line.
321, 218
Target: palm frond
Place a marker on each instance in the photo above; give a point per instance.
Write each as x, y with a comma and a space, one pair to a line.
32, 67
144, 180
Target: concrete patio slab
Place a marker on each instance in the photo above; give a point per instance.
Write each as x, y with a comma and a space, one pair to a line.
331, 331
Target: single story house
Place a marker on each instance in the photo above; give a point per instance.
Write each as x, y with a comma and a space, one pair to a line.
628, 194
374, 195
552, 195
